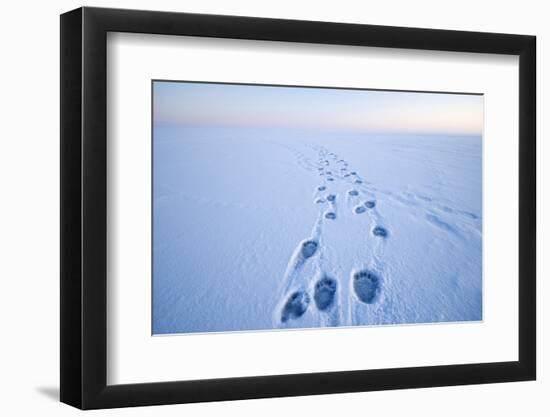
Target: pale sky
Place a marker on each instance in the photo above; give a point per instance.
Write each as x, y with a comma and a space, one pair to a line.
231, 105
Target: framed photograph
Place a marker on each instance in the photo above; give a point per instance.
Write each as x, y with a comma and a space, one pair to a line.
256, 207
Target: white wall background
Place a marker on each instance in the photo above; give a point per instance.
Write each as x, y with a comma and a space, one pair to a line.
29, 226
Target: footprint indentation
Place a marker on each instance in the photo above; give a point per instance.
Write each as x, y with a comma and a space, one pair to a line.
295, 306
366, 285
370, 204
379, 231
331, 198
321, 188
319, 201
309, 247
439, 223
359, 209
353, 192
358, 182
330, 215
470, 215
325, 291
330, 179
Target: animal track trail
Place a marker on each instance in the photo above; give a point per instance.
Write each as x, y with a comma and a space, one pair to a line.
314, 290
330, 213
433, 210
437, 213
366, 285
368, 277
294, 299
365, 277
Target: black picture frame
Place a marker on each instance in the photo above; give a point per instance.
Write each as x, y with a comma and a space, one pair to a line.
84, 207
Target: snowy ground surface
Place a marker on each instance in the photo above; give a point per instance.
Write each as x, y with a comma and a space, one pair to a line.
267, 229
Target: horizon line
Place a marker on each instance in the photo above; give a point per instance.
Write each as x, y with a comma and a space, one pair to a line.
170, 124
